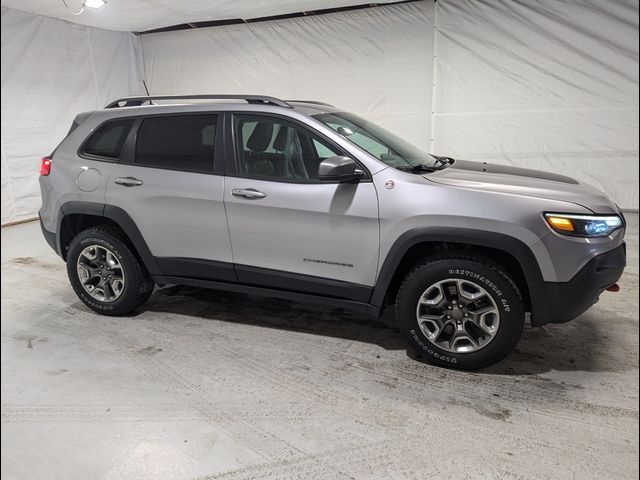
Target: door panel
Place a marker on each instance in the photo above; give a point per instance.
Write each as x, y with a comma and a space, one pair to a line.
324, 230
180, 214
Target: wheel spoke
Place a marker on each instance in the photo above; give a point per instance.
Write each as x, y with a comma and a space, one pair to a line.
90, 253
106, 288
91, 281
452, 339
433, 296
431, 324
468, 291
445, 335
483, 330
116, 286
475, 315
111, 261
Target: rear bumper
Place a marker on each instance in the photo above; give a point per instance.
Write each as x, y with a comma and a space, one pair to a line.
50, 237
566, 301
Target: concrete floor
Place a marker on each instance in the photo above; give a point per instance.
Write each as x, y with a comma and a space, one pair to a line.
205, 384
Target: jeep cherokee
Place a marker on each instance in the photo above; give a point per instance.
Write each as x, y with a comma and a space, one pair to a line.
301, 200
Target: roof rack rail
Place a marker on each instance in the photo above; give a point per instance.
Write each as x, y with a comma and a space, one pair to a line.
312, 102
138, 101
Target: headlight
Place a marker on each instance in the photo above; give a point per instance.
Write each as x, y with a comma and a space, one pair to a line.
583, 225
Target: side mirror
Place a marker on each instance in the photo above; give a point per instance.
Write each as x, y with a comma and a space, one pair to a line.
339, 169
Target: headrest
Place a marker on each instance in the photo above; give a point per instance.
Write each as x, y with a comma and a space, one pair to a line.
260, 138
280, 143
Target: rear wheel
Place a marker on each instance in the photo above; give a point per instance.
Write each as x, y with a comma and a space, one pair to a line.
460, 312
105, 273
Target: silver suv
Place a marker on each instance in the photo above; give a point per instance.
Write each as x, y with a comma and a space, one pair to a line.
301, 200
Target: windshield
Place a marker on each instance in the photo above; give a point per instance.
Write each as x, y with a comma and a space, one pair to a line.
380, 143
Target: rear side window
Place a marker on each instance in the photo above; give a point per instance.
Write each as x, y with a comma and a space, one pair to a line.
108, 139
181, 142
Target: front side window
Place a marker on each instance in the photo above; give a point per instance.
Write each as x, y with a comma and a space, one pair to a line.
108, 139
274, 149
181, 142
380, 143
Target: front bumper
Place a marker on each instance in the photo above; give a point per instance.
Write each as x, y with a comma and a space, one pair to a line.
567, 300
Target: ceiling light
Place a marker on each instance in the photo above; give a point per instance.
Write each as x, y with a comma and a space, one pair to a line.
85, 4
93, 3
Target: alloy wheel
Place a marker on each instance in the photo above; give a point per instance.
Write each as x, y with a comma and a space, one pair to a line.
457, 315
100, 273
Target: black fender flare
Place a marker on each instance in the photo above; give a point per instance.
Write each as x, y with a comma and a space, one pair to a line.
481, 238
118, 216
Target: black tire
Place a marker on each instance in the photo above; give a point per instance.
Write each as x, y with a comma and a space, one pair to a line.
138, 285
482, 272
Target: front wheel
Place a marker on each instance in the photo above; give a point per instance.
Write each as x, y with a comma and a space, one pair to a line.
460, 312
105, 273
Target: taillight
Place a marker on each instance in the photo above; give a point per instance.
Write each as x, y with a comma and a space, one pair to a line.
45, 166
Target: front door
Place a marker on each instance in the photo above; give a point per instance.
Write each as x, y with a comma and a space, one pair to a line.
289, 230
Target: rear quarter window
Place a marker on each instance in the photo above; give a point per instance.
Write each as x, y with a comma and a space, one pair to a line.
108, 139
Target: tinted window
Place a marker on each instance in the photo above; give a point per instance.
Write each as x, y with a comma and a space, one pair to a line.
272, 148
108, 139
183, 142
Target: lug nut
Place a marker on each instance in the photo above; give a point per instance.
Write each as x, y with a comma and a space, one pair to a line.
449, 307
448, 317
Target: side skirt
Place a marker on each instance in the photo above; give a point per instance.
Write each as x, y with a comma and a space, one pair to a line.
361, 307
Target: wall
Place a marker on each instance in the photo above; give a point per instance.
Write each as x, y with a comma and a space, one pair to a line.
545, 84
377, 62
52, 70
550, 84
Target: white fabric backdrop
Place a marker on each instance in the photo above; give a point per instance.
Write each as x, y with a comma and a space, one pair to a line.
52, 70
545, 84
141, 15
377, 62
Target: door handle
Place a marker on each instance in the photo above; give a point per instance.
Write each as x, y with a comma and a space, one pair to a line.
248, 193
128, 181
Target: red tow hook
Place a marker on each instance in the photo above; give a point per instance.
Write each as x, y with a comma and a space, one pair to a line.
613, 288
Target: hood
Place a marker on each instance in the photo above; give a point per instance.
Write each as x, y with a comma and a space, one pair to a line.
522, 181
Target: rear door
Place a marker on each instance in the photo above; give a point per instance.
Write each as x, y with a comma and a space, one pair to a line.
288, 229
170, 182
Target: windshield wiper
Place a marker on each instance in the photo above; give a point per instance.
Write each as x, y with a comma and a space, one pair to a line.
420, 168
443, 160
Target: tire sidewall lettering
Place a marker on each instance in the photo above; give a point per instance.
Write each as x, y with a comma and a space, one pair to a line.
429, 351
85, 242
482, 279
